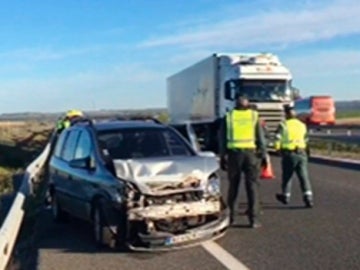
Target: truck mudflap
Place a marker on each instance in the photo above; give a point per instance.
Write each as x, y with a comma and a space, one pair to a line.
163, 241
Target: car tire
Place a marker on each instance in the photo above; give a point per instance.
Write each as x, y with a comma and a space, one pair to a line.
57, 213
101, 232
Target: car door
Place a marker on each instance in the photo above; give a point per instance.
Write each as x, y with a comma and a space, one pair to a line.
65, 184
83, 170
55, 167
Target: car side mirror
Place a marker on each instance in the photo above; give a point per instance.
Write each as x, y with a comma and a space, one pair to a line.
81, 163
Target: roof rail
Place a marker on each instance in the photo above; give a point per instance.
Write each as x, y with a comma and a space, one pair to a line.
138, 118
82, 120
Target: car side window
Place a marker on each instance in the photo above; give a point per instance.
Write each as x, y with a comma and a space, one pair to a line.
83, 148
60, 143
70, 143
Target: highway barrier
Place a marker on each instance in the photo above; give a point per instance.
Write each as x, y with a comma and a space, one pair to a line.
343, 151
12, 223
347, 130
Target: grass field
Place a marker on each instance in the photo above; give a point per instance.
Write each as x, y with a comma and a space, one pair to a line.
20, 143
335, 149
348, 114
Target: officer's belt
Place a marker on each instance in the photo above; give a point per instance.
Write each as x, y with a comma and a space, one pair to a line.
296, 150
242, 149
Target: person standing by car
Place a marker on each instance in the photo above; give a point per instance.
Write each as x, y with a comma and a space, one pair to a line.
66, 121
242, 136
292, 144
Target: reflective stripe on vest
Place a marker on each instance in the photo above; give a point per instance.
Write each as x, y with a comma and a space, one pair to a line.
293, 136
241, 129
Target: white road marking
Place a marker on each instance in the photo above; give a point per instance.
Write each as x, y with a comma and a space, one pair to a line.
228, 260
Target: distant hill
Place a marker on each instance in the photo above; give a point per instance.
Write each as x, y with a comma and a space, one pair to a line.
348, 105
341, 106
38, 116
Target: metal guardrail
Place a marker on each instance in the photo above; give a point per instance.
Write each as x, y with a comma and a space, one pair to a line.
332, 143
348, 130
12, 223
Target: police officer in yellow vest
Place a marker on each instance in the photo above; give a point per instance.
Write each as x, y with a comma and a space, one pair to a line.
242, 137
68, 119
292, 144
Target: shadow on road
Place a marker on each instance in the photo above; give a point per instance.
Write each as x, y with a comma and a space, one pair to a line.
72, 236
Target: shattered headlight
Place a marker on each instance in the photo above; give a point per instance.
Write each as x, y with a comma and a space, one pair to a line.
213, 185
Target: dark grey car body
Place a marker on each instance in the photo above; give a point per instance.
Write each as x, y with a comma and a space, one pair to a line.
128, 198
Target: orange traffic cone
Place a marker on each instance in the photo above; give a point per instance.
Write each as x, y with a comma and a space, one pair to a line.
267, 172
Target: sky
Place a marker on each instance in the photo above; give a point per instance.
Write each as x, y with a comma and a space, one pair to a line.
96, 54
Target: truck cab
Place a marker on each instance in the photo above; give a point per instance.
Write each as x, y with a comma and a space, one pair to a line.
204, 92
265, 82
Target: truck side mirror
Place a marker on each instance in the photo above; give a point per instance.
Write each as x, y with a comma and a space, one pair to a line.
230, 92
296, 93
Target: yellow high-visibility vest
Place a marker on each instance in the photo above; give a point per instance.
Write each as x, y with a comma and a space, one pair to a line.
293, 135
241, 129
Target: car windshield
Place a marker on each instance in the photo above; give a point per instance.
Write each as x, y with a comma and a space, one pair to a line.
263, 90
133, 143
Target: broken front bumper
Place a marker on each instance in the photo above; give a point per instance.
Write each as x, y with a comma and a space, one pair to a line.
161, 241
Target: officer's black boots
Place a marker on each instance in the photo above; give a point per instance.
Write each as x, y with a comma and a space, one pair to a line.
255, 224
282, 198
308, 202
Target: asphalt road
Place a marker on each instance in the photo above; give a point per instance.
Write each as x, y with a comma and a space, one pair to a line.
292, 237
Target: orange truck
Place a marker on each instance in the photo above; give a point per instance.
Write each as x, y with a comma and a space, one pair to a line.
316, 110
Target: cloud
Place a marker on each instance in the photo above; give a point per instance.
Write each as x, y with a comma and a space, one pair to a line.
307, 23
330, 63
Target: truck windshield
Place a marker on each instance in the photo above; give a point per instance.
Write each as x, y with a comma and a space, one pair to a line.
263, 90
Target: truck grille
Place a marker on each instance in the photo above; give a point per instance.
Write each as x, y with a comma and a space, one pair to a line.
272, 118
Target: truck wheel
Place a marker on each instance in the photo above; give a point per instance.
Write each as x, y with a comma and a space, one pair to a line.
57, 213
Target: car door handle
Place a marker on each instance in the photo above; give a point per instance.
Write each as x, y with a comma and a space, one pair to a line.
70, 177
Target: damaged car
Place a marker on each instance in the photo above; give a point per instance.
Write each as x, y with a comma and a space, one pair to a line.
140, 184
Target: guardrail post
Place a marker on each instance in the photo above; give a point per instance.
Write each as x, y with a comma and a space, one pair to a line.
328, 131
348, 132
329, 147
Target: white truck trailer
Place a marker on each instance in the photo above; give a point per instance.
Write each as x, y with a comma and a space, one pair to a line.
202, 93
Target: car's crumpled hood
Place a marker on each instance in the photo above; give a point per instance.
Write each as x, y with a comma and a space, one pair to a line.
150, 174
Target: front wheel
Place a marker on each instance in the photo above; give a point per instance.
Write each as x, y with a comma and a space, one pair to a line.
103, 233
98, 225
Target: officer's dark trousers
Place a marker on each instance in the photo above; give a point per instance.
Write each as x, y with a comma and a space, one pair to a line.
243, 161
295, 162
